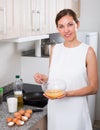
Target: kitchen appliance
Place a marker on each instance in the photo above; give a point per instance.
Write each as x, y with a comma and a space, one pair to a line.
90, 38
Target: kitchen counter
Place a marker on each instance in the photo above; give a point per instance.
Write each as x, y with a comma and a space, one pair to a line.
35, 118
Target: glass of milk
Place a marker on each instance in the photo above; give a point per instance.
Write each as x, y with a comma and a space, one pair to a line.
12, 104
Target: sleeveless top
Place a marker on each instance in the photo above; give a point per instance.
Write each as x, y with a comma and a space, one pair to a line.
69, 113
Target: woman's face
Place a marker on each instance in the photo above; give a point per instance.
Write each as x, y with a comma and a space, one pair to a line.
67, 27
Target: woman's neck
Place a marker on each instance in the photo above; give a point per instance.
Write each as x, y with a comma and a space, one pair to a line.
71, 44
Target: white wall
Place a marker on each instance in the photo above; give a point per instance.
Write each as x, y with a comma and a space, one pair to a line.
10, 60
90, 21
9, 63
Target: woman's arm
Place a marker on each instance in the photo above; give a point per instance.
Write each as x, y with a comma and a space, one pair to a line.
92, 72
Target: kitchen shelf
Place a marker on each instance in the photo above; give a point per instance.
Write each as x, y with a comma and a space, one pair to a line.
27, 39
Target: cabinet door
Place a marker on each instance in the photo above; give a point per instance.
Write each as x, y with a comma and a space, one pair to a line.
9, 18
38, 16
12, 15
2, 19
32, 17
51, 11
60, 5
25, 18
74, 5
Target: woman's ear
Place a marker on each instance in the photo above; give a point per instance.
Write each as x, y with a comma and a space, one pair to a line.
78, 24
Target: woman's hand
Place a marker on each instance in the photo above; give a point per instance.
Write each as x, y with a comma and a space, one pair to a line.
40, 78
62, 96
48, 97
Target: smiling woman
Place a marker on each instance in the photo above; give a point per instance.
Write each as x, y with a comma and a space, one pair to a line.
76, 64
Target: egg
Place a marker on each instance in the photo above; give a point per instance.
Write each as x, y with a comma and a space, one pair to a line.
22, 112
19, 122
29, 111
16, 114
11, 123
9, 119
27, 114
19, 116
15, 119
24, 118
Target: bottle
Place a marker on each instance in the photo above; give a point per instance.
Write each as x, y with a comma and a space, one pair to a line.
1, 97
18, 91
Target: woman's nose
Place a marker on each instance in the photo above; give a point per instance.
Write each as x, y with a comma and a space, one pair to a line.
66, 29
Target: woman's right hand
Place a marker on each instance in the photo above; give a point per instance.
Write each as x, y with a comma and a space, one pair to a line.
40, 78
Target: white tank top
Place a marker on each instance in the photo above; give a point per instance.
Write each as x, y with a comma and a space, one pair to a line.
69, 113
69, 64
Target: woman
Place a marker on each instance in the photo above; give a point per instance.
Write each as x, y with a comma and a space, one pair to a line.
76, 64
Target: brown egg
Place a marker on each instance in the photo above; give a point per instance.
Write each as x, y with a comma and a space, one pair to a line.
29, 111
19, 122
19, 116
22, 111
11, 123
16, 114
9, 119
15, 119
24, 118
27, 114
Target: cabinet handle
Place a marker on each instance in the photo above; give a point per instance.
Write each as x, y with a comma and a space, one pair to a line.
33, 24
38, 20
35, 20
4, 20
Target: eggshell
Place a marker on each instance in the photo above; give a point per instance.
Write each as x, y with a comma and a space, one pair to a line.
29, 111
19, 122
9, 119
27, 114
11, 123
15, 119
24, 118
16, 114
22, 111
19, 116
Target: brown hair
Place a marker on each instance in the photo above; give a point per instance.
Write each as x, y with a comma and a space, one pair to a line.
65, 12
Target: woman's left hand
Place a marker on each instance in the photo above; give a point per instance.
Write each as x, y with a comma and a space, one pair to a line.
62, 96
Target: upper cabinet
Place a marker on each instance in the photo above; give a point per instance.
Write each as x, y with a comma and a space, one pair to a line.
53, 7
23, 18
32, 17
9, 19
2, 19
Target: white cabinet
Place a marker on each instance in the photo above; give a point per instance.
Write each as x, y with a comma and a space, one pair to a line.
51, 12
32, 17
53, 7
23, 18
38, 15
12, 17
2, 18
9, 19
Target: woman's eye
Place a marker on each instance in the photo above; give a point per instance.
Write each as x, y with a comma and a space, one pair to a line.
60, 27
70, 24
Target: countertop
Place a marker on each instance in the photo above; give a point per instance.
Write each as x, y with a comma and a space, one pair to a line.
36, 116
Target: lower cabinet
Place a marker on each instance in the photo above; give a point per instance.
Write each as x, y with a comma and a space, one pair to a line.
41, 125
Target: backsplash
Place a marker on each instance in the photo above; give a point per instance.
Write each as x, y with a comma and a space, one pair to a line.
8, 88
